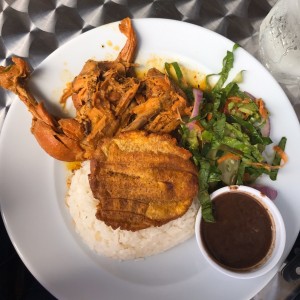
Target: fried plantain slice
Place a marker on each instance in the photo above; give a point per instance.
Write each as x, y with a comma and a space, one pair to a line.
142, 180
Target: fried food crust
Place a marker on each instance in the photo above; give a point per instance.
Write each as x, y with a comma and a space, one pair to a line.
142, 180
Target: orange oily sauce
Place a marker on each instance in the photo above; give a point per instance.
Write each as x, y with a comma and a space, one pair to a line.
193, 77
73, 165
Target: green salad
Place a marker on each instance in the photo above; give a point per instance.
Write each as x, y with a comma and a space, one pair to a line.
227, 133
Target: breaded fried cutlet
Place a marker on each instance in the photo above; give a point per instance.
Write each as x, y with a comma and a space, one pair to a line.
142, 180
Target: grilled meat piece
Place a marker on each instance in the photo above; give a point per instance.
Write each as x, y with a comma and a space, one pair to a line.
142, 180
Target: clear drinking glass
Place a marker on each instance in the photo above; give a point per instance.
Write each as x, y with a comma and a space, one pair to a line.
279, 41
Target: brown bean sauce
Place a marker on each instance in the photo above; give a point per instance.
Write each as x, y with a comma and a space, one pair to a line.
242, 235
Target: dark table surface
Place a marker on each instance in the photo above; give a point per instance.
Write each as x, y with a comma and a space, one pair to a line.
34, 28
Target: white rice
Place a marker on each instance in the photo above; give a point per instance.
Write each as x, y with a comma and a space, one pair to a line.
121, 244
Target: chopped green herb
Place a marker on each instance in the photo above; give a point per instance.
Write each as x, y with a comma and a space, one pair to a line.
277, 158
179, 78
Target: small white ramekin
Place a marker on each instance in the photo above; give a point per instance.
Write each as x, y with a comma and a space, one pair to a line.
279, 235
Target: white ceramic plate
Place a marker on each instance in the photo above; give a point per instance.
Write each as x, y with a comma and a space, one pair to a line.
33, 184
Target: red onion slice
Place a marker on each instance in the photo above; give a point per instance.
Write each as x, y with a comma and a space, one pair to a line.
250, 96
266, 129
198, 96
268, 191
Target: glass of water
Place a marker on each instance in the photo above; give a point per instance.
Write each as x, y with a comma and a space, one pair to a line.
279, 41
